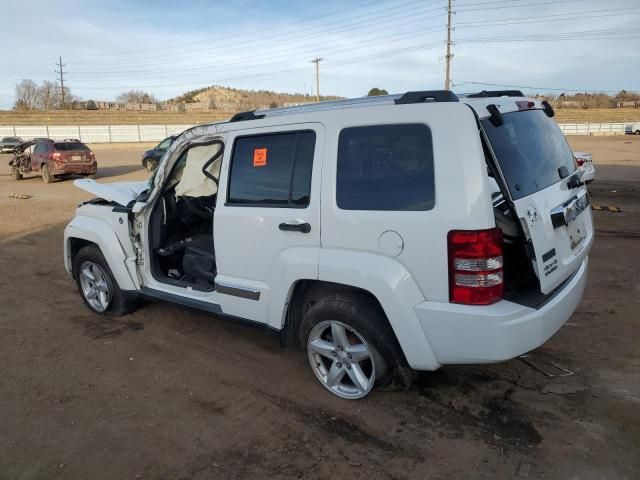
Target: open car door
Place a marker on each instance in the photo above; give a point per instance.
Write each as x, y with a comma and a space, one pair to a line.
551, 203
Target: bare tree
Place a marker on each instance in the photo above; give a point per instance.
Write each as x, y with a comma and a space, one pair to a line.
26, 95
136, 96
48, 95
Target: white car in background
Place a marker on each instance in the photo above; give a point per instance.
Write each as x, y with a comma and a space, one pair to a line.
585, 164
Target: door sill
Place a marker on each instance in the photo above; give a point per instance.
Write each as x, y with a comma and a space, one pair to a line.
153, 294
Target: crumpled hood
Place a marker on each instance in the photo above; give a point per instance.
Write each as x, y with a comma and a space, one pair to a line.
122, 193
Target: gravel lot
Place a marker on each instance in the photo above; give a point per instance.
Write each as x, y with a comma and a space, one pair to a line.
170, 393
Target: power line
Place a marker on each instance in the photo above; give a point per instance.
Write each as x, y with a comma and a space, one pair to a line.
549, 18
288, 55
379, 55
465, 82
309, 36
502, 4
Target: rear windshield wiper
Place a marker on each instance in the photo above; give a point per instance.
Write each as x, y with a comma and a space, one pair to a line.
574, 181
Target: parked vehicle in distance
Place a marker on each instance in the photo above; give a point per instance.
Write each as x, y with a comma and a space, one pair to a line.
584, 161
151, 158
633, 128
59, 159
385, 235
7, 144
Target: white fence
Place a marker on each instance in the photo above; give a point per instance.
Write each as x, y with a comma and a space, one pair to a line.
154, 133
97, 133
594, 128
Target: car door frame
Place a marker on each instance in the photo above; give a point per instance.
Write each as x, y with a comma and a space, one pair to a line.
151, 287
264, 299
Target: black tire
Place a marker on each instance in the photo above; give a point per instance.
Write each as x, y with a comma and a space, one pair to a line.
365, 316
121, 302
15, 173
45, 171
637, 132
149, 163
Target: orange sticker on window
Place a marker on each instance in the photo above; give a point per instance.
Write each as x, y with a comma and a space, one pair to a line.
259, 157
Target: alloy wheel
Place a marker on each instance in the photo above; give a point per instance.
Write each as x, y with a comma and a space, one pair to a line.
95, 286
341, 359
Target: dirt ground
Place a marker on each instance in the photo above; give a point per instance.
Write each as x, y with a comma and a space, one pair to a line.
168, 393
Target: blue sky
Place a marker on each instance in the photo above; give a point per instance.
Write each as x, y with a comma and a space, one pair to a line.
168, 47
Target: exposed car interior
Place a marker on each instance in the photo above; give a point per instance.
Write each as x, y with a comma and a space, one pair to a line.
181, 222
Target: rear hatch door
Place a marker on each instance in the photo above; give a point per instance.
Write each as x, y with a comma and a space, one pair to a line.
539, 171
73, 152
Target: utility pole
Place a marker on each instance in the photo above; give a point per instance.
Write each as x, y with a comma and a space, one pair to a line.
61, 72
449, 55
317, 61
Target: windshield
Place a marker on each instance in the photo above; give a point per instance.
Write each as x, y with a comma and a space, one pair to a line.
166, 143
530, 149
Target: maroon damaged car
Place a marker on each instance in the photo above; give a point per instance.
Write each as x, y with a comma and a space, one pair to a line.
56, 159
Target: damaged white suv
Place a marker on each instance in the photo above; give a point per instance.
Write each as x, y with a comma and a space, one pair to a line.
385, 234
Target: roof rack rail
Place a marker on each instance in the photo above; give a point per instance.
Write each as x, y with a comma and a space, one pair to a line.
496, 93
241, 116
427, 95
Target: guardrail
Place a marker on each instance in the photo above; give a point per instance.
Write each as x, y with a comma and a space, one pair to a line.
594, 128
155, 133
97, 133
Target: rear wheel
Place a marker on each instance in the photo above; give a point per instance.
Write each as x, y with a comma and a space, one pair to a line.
149, 163
97, 285
351, 346
45, 171
15, 173
637, 132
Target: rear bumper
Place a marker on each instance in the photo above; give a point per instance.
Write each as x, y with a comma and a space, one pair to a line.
79, 168
504, 330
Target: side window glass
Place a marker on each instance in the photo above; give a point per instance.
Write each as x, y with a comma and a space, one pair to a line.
272, 169
385, 167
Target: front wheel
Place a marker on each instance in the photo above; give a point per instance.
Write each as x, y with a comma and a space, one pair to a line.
97, 285
350, 345
637, 132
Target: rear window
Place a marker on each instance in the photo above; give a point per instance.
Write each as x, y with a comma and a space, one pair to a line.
10, 139
385, 167
69, 146
530, 149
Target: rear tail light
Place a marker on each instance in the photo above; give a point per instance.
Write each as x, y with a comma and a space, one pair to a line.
56, 157
92, 156
475, 266
580, 161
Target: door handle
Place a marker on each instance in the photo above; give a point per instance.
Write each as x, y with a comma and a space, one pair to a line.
295, 227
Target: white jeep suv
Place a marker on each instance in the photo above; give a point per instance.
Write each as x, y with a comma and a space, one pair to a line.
385, 234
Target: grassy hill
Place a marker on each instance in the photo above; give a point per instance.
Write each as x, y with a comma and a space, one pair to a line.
245, 99
85, 117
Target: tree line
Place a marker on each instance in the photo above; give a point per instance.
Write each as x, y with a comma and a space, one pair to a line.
49, 96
